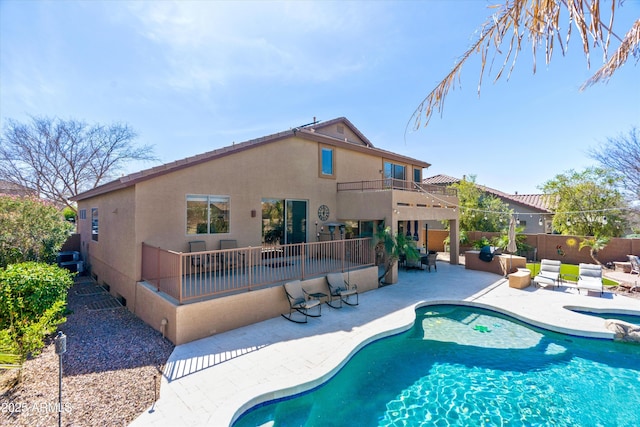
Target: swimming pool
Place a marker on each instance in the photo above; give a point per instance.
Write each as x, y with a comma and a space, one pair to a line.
466, 366
629, 318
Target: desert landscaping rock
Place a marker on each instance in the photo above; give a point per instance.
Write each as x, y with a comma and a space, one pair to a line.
111, 370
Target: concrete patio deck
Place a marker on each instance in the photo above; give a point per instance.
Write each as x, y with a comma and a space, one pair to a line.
214, 380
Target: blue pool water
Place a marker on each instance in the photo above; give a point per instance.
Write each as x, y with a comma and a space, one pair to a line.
629, 318
464, 366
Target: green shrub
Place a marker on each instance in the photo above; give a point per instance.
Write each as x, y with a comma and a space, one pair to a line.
479, 244
32, 303
30, 230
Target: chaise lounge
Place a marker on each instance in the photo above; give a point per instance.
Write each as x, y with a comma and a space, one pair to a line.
590, 278
341, 289
549, 274
635, 264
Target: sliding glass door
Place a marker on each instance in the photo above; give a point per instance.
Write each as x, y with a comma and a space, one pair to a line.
284, 221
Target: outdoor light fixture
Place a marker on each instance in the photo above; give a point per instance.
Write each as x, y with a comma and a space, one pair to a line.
568, 223
517, 221
540, 222
604, 220
61, 348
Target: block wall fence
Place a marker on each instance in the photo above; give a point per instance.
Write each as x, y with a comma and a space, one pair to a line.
552, 246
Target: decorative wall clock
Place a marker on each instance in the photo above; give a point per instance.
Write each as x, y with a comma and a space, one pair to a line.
323, 212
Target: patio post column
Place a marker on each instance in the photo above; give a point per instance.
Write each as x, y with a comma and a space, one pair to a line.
392, 275
454, 241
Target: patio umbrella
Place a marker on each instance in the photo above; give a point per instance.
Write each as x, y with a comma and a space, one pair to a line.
512, 247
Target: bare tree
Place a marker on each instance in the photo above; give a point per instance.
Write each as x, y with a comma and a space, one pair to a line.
539, 21
622, 156
62, 158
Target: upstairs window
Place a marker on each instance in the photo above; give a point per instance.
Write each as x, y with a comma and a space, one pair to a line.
327, 161
417, 176
207, 214
392, 170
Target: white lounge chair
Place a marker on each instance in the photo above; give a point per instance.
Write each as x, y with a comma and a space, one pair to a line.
549, 274
341, 289
590, 278
635, 264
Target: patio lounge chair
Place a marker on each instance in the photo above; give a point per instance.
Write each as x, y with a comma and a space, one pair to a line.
299, 301
590, 278
635, 264
549, 273
341, 289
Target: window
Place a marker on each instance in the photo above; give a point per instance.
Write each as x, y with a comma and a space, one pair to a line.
417, 175
394, 171
284, 221
82, 214
207, 214
94, 224
327, 161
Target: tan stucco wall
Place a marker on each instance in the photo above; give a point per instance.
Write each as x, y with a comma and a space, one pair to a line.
500, 264
115, 257
286, 169
189, 322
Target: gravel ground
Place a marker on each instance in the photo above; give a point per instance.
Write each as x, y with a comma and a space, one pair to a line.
111, 370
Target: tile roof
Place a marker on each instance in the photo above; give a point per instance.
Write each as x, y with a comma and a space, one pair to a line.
534, 201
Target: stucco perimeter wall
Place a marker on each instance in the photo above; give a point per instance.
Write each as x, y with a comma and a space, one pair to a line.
193, 321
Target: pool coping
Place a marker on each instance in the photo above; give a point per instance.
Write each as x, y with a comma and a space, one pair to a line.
215, 380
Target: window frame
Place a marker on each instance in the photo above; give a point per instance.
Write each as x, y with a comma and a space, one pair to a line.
322, 149
95, 219
391, 170
209, 200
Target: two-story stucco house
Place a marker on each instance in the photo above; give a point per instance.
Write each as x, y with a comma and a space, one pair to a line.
321, 189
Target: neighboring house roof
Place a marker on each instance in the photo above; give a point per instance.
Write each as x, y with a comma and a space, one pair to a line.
12, 189
316, 131
533, 201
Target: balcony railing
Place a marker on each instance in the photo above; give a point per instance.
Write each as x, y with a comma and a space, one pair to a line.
396, 184
196, 275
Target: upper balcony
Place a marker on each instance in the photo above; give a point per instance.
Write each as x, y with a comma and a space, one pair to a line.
397, 184
397, 199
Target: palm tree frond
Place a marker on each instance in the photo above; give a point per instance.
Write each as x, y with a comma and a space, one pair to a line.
540, 21
630, 46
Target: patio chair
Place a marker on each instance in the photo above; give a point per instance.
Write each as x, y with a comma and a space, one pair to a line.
635, 264
199, 261
341, 289
299, 302
231, 259
549, 274
590, 278
429, 261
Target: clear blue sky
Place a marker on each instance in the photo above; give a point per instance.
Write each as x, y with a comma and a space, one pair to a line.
190, 77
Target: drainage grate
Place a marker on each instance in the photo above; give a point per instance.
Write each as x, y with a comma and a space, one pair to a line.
104, 304
83, 280
90, 290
